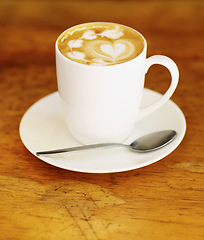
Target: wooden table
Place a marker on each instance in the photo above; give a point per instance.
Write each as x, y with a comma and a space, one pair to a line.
164, 200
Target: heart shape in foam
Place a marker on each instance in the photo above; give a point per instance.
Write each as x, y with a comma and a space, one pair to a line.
114, 50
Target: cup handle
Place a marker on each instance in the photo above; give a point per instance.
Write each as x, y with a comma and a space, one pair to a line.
173, 69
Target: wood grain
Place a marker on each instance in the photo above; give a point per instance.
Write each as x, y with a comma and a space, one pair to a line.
38, 201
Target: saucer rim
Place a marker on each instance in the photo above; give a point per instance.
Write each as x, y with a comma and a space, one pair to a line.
49, 160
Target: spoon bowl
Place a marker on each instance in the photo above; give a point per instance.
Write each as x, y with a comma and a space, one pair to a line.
147, 143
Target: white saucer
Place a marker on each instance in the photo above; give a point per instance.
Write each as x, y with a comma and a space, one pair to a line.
43, 128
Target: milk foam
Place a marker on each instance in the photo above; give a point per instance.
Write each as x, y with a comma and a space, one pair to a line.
105, 44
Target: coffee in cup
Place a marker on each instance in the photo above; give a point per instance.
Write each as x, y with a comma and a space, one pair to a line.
100, 44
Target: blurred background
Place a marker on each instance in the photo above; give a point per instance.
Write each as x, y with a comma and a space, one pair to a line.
29, 29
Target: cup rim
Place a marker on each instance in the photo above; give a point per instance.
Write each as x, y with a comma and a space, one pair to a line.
100, 66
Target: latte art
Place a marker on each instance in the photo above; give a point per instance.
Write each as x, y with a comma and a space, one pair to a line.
100, 44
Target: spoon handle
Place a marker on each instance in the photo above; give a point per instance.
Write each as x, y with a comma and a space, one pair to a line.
81, 148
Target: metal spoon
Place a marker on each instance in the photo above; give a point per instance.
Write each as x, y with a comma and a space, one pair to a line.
147, 143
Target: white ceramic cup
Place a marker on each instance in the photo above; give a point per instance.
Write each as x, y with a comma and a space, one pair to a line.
102, 103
